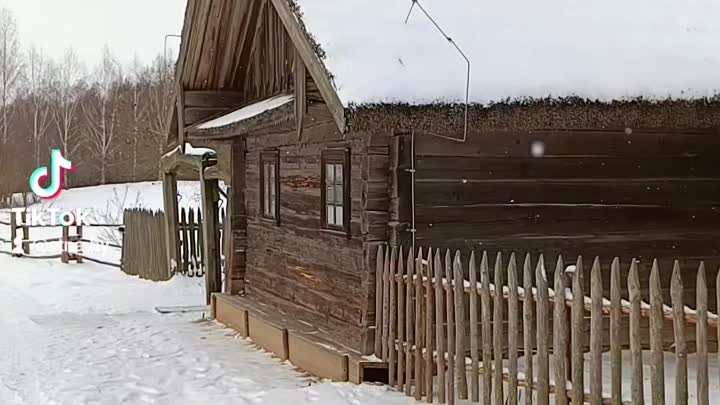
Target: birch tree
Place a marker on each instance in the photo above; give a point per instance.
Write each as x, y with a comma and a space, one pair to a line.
101, 110
38, 80
67, 89
10, 69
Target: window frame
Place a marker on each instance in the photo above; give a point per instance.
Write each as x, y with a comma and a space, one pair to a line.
270, 157
339, 156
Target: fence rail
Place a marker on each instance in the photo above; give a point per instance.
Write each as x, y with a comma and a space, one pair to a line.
448, 332
22, 229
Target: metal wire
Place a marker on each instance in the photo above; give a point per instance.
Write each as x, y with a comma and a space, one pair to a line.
460, 51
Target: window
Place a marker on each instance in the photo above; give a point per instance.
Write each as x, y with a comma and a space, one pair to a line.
336, 189
270, 185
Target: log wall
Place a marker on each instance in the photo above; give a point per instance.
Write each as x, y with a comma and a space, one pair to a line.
626, 192
320, 272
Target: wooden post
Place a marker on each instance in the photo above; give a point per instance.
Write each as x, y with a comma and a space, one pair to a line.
185, 228
460, 375
378, 300
65, 245
486, 329
211, 253
25, 232
657, 361
440, 325
13, 232
171, 221
386, 305
401, 321
703, 394
429, 319
228, 243
560, 334
528, 320
419, 328
578, 319
409, 326
392, 323
615, 344
78, 246
498, 321
637, 396
543, 380
474, 341
678, 309
513, 318
596, 295
450, 329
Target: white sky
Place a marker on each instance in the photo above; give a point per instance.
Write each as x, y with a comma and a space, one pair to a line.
129, 27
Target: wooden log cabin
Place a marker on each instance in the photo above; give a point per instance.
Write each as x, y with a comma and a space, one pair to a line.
340, 127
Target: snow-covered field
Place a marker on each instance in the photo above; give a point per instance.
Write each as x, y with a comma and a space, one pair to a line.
89, 334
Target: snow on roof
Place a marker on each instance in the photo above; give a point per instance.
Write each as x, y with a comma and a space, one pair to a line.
596, 49
193, 151
248, 111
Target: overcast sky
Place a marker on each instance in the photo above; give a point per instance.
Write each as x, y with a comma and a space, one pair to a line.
129, 27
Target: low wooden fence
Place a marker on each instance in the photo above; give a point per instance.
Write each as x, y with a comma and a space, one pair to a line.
192, 241
144, 253
72, 241
449, 331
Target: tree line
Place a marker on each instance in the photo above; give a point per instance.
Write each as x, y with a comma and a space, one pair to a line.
109, 119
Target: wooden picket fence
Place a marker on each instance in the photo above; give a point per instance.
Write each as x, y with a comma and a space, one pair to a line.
448, 332
144, 253
192, 241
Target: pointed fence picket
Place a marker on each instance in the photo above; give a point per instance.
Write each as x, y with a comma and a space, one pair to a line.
192, 239
453, 329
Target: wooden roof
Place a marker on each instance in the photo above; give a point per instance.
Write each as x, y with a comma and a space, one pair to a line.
241, 52
216, 42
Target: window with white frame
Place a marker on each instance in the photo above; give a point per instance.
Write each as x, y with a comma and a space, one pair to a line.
336, 189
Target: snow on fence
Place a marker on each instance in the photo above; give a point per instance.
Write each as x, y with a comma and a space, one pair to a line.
445, 339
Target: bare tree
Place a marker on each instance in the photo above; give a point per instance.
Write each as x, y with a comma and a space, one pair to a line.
39, 79
67, 89
140, 86
10, 67
160, 98
101, 110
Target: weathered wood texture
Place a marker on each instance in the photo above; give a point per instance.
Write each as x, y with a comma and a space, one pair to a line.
144, 252
324, 271
239, 47
562, 363
642, 193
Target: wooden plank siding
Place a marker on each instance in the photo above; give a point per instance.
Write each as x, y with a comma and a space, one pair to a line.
323, 271
643, 193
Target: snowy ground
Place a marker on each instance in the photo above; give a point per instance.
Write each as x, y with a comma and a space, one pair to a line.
88, 334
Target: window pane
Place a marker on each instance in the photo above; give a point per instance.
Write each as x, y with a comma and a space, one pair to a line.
338, 215
338, 174
330, 197
266, 206
329, 174
339, 195
330, 215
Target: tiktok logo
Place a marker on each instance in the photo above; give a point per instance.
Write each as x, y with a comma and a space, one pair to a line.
57, 164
